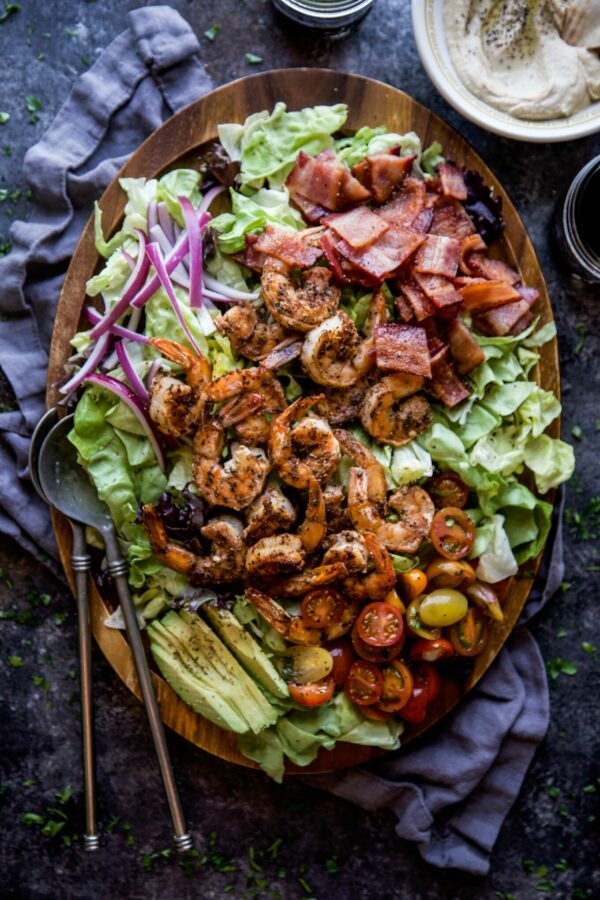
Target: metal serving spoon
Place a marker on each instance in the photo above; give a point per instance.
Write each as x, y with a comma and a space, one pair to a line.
68, 488
80, 563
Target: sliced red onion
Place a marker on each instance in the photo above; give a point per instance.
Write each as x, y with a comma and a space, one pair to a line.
152, 214
119, 330
231, 293
155, 256
129, 258
154, 368
124, 393
134, 319
97, 354
137, 385
209, 197
166, 222
193, 229
205, 321
218, 298
179, 274
131, 289
171, 262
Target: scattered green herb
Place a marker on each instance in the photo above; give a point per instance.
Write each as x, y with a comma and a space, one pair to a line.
252, 59
4, 117
589, 789
41, 56
565, 586
211, 33
34, 105
562, 633
580, 328
252, 860
85, 60
148, 859
556, 667
597, 425
9, 10
28, 782
15, 661
5, 248
23, 617
7, 150
587, 647
40, 681
332, 866
71, 32
273, 850
577, 432
305, 886
553, 791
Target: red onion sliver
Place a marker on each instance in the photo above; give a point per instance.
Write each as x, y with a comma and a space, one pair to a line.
225, 291
171, 262
129, 258
119, 330
152, 214
154, 368
193, 229
97, 354
137, 385
166, 222
124, 393
131, 289
209, 197
155, 256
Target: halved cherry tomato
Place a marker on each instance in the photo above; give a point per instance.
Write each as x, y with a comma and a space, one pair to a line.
469, 636
448, 489
380, 625
364, 684
412, 583
397, 687
426, 687
314, 694
486, 598
343, 657
452, 533
322, 607
377, 655
452, 573
373, 712
394, 600
416, 624
432, 651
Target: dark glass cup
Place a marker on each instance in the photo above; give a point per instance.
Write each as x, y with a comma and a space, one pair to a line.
577, 224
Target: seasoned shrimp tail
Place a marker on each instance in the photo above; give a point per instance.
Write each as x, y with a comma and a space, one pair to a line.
234, 483
299, 305
377, 584
290, 627
291, 469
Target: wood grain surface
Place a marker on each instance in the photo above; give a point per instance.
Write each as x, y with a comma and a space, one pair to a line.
370, 102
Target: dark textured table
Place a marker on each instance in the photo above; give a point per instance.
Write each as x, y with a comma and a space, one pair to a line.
319, 846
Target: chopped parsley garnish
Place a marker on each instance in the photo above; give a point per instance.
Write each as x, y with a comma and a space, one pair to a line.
588, 648
4, 117
7, 150
556, 667
553, 791
211, 33
580, 327
577, 432
9, 10
34, 105
71, 32
15, 661
252, 59
40, 681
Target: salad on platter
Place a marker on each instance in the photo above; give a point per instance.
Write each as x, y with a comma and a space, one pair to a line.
307, 396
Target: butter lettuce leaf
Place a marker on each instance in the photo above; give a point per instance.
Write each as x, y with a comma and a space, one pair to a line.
250, 215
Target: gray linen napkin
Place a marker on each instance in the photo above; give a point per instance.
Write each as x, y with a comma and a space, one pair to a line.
452, 791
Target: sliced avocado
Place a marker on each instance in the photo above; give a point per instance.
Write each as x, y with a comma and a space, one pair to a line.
203, 701
245, 648
201, 669
205, 647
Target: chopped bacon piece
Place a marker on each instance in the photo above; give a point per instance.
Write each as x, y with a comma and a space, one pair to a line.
419, 302
438, 289
404, 207
453, 181
523, 323
404, 309
445, 383
382, 173
386, 255
324, 181
359, 227
423, 221
291, 247
452, 220
492, 269
528, 293
500, 321
343, 270
469, 245
438, 255
252, 258
464, 348
402, 348
487, 295
462, 281
311, 212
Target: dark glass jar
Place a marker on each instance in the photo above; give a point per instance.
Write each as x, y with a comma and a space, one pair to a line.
329, 15
577, 223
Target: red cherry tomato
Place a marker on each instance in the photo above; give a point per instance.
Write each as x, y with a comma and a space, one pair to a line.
469, 636
426, 688
314, 694
448, 489
379, 655
343, 657
452, 533
364, 684
380, 625
397, 687
431, 651
322, 607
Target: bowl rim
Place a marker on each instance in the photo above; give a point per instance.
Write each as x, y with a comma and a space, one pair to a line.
482, 113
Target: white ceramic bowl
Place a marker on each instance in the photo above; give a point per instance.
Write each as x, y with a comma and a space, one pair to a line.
428, 26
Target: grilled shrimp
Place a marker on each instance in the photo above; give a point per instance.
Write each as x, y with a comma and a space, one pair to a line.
301, 306
412, 506
315, 444
292, 628
335, 355
362, 456
297, 585
347, 547
269, 514
391, 412
293, 470
176, 406
339, 405
235, 483
254, 429
377, 584
247, 335
281, 553
336, 509
228, 550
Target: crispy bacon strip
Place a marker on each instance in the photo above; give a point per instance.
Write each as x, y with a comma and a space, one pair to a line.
492, 269
404, 207
359, 227
311, 211
501, 321
418, 301
382, 173
439, 289
445, 384
470, 244
453, 181
402, 348
294, 248
480, 297
452, 220
465, 350
438, 255
324, 181
386, 255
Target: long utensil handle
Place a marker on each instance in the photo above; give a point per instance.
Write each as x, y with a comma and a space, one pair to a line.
81, 564
118, 570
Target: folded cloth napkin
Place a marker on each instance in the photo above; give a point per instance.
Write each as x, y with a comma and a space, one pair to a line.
452, 791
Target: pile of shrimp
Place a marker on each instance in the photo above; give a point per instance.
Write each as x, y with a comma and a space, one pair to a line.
279, 520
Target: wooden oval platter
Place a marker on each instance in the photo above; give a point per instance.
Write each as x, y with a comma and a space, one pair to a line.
370, 102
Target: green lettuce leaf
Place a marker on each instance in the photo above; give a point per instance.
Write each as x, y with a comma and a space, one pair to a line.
179, 183
431, 158
250, 214
369, 141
